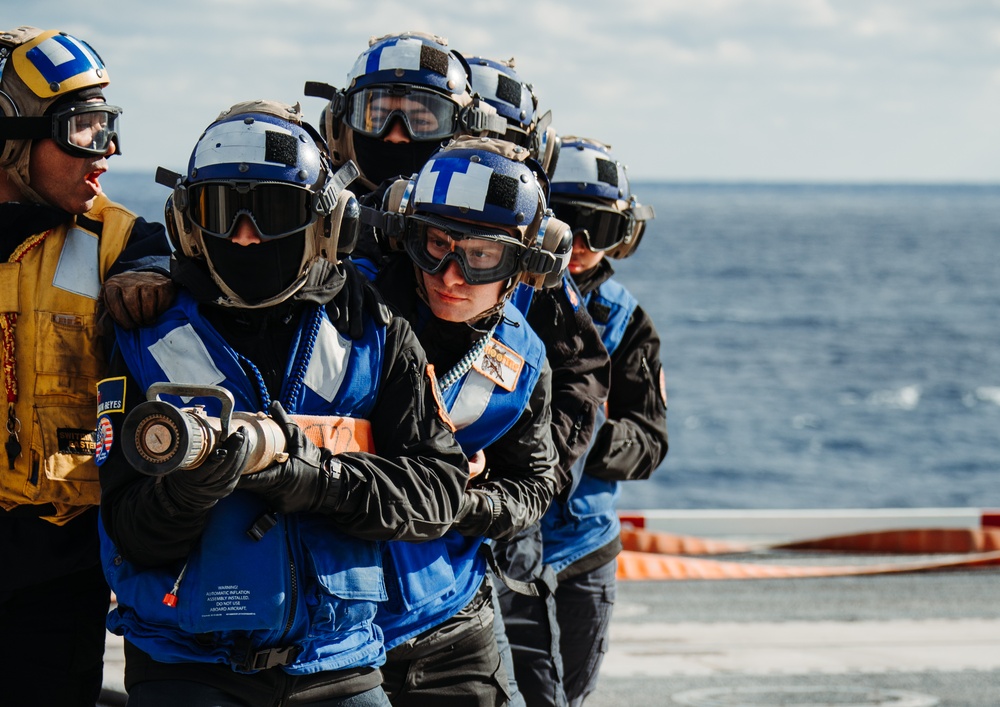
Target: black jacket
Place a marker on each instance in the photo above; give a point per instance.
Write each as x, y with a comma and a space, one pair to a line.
521, 465
633, 440
410, 491
581, 372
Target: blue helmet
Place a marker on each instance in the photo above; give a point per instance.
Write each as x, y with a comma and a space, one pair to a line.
500, 86
261, 160
591, 192
475, 184
412, 77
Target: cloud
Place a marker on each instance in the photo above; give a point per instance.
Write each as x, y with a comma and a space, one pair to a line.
665, 81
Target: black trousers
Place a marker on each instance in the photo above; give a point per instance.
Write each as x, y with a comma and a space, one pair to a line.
52, 652
454, 664
53, 605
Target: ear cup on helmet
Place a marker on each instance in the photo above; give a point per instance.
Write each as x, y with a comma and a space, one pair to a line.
396, 201
554, 239
179, 230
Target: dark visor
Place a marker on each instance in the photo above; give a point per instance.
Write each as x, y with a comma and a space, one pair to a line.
276, 209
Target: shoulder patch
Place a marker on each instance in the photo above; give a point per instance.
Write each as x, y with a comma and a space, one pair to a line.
500, 364
442, 411
111, 395
103, 438
571, 296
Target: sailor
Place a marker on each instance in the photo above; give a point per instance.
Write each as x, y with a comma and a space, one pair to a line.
60, 237
247, 589
406, 94
580, 381
581, 533
474, 224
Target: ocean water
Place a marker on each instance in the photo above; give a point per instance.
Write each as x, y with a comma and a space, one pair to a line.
825, 346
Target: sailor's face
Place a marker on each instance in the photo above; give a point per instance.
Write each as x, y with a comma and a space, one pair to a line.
66, 181
582, 258
452, 299
420, 118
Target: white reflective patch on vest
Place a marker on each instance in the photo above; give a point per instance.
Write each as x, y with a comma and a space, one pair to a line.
328, 364
454, 182
184, 359
77, 270
235, 141
472, 400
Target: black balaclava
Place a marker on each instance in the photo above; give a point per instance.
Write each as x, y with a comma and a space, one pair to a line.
258, 271
380, 160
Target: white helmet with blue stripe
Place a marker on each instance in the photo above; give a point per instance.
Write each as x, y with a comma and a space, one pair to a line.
591, 192
261, 160
412, 77
500, 86
489, 183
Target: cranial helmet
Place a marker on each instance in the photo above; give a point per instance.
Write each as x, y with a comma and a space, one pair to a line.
479, 188
261, 160
500, 86
413, 77
40, 71
591, 192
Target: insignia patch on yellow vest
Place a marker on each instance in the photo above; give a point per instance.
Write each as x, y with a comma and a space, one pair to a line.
111, 395
500, 364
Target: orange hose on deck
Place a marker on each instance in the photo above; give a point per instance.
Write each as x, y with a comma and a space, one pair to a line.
669, 544
642, 565
918, 542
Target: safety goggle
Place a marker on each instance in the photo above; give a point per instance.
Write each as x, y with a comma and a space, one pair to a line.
602, 227
276, 209
86, 129
483, 255
80, 129
425, 114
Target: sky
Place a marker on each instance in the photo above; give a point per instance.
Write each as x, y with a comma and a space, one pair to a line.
683, 90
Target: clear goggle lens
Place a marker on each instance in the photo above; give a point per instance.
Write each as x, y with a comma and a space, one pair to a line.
276, 209
85, 129
425, 114
602, 227
483, 255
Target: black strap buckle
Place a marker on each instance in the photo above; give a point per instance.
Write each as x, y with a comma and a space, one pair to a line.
247, 660
528, 589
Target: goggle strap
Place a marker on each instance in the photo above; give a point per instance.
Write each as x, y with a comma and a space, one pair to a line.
167, 177
388, 223
475, 119
319, 89
326, 200
642, 212
25, 128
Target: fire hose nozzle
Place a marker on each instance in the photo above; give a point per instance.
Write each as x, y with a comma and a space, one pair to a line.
160, 438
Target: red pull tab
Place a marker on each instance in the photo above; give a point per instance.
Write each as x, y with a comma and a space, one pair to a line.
170, 599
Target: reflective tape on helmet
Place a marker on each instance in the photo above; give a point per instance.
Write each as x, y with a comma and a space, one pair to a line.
401, 53
454, 182
255, 142
58, 64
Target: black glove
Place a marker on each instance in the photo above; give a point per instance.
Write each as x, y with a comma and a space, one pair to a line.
476, 514
136, 299
309, 480
200, 488
356, 297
